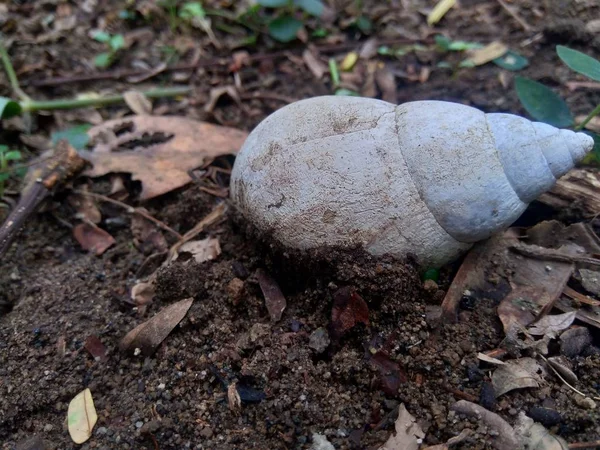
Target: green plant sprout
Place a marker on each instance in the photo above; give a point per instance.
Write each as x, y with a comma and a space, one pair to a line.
25, 104
544, 105
7, 158
114, 42
284, 26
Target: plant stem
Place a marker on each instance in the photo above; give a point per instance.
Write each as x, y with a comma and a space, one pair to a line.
40, 105
12, 76
590, 116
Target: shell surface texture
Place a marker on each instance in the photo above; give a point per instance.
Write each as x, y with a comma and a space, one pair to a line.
428, 178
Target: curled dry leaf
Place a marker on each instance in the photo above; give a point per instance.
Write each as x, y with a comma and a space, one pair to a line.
149, 335
203, 250
316, 67
138, 102
159, 151
92, 238
552, 325
560, 365
488, 53
274, 298
533, 436
143, 292
504, 439
348, 309
517, 374
408, 435
81, 417
218, 92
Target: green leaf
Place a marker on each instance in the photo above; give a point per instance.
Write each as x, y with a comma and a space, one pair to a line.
101, 36
13, 155
312, 7
320, 32
579, 62
273, 3
127, 15
77, 136
9, 108
363, 23
511, 61
103, 60
333, 71
431, 274
117, 42
542, 103
190, 10
446, 44
347, 92
284, 29
4, 176
593, 157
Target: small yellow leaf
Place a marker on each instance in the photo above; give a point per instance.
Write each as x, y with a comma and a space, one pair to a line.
488, 53
138, 103
349, 61
440, 10
81, 417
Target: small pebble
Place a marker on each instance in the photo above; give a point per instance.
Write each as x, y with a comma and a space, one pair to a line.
139, 424
546, 416
319, 340
584, 402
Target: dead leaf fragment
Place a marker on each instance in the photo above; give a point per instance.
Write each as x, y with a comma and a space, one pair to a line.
92, 238
233, 398
490, 360
552, 325
439, 11
316, 67
159, 151
517, 374
348, 309
81, 417
409, 434
96, 348
143, 292
535, 436
138, 102
386, 81
391, 375
274, 299
488, 53
203, 250
86, 207
147, 237
149, 335
559, 364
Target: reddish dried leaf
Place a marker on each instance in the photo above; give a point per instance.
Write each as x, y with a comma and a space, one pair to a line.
391, 375
149, 335
96, 348
159, 151
274, 298
348, 309
92, 238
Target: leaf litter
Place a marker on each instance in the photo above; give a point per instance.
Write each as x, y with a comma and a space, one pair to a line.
81, 417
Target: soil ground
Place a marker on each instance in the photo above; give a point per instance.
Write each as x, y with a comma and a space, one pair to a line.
54, 295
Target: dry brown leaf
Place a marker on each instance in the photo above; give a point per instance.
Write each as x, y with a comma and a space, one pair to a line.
316, 67
92, 238
552, 325
86, 207
96, 348
203, 250
408, 435
149, 335
233, 398
138, 102
81, 417
533, 436
559, 364
159, 151
274, 298
517, 374
348, 309
143, 292
218, 92
488, 53
386, 81
147, 237
489, 359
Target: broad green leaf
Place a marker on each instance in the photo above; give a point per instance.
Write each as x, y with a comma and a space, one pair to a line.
103, 60
347, 92
273, 3
4, 176
511, 61
442, 42
190, 10
284, 29
13, 155
20, 171
77, 136
101, 36
9, 108
117, 42
542, 103
312, 7
579, 62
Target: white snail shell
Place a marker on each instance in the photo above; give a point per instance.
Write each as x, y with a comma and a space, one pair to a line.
427, 177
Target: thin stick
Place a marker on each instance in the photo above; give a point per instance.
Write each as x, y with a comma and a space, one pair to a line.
590, 116
592, 444
12, 76
560, 376
131, 210
514, 15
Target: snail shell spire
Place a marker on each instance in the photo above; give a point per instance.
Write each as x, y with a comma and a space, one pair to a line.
533, 154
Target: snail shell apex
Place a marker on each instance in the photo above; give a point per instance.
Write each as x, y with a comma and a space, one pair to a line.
426, 177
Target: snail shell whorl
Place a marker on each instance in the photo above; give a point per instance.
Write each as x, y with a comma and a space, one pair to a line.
427, 177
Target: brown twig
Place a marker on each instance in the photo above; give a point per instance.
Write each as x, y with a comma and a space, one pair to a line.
209, 62
130, 209
549, 254
580, 297
592, 444
514, 15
